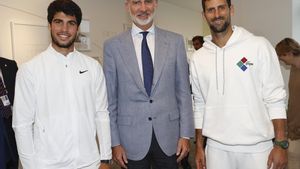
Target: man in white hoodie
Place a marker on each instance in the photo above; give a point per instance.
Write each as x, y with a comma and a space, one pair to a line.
239, 97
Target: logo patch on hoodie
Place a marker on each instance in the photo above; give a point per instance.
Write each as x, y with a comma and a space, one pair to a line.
244, 64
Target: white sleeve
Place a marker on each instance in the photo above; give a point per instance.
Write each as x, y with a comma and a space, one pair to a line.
102, 117
274, 94
23, 116
199, 103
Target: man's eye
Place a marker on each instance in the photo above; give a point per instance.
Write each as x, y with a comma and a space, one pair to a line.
72, 23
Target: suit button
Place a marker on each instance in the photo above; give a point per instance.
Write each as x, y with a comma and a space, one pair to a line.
151, 101
149, 118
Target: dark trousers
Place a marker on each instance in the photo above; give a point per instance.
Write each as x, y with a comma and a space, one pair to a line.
3, 153
12, 158
155, 159
185, 162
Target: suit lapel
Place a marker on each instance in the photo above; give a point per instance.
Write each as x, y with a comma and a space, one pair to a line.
129, 57
161, 50
1, 64
3, 68
5, 73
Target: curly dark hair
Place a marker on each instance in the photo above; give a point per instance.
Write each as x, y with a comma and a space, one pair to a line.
66, 6
198, 37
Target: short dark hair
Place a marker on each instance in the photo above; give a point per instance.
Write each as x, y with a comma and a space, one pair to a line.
66, 6
288, 45
203, 4
200, 38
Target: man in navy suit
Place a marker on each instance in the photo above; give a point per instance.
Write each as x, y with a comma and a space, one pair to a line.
8, 149
149, 96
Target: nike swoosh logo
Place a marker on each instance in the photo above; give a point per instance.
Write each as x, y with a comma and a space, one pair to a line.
83, 71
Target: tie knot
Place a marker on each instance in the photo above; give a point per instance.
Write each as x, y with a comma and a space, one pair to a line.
144, 34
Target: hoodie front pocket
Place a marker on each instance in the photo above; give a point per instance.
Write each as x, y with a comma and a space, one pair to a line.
230, 125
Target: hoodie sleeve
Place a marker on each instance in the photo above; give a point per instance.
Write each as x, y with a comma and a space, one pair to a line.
199, 103
274, 94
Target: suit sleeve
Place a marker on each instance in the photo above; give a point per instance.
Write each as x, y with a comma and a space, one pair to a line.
102, 116
110, 72
23, 117
183, 93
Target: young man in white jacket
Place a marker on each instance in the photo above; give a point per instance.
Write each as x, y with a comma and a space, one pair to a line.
239, 97
61, 102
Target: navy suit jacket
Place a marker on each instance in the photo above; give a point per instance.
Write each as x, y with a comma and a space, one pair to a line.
7, 139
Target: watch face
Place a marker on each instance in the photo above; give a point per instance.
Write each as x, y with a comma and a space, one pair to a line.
283, 144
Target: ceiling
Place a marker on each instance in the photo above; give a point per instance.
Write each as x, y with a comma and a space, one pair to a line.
190, 4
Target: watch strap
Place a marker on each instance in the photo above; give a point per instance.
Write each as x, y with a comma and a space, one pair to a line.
284, 144
106, 161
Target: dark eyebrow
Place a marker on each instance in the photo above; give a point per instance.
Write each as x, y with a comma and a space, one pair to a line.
73, 21
219, 6
56, 19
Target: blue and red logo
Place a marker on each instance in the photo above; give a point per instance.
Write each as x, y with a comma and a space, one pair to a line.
244, 64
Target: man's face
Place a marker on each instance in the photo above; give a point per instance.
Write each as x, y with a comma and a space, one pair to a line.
218, 15
142, 11
197, 44
63, 31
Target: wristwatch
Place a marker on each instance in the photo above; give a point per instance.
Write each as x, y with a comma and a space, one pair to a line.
106, 161
284, 144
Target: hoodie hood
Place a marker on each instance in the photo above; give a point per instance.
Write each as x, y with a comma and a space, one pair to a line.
239, 34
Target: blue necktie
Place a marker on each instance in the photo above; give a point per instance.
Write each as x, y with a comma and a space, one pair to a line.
147, 64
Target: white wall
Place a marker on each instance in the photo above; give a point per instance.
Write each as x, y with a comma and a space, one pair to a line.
106, 17
8, 13
184, 21
296, 20
269, 18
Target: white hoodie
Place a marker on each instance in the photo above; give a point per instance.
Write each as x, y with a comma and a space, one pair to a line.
238, 89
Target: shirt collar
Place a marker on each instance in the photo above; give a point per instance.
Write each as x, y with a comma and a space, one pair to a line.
136, 30
70, 55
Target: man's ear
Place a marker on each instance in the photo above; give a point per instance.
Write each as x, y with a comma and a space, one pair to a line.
203, 16
232, 10
127, 5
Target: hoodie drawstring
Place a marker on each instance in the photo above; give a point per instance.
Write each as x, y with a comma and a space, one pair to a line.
220, 82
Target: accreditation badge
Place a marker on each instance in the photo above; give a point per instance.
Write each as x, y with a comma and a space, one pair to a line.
5, 100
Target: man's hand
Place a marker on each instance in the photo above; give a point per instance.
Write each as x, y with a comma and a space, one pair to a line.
183, 148
278, 158
200, 157
199, 152
104, 166
119, 156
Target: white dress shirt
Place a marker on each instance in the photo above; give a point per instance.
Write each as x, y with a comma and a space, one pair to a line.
60, 104
137, 38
